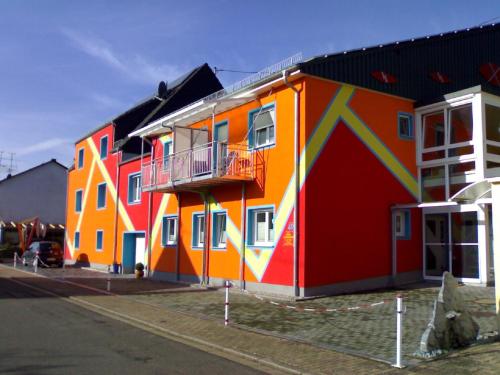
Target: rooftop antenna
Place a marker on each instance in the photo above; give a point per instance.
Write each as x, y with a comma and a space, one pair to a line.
7, 163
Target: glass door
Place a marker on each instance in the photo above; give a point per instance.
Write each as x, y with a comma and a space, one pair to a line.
220, 148
436, 245
451, 244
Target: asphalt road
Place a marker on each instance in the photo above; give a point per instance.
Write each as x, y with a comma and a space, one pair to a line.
46, 335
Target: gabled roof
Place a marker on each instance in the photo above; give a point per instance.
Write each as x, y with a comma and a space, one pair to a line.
422, 69
149, 108
52, 161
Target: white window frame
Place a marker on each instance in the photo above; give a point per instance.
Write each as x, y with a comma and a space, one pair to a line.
200, 230
136, 190
216, 217
269, 141
267, 241
399, 216
482, 247
169, 221
491, 100
466, 97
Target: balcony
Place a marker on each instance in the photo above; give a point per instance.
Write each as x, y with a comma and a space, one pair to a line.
198, 168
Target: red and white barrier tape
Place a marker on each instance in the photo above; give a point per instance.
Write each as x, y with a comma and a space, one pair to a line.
321, 309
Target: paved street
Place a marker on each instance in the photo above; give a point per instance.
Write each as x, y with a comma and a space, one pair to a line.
369, 329
192, 315
46, 335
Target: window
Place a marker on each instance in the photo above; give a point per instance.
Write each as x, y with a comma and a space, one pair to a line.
81, 153
78, 200
167, 151
101, 195
77, 240
219, 230
261, 227
198, 230
402, 224
447, 160
169, 231
104, 147
405, 126
134, 188
262, 124
99, 239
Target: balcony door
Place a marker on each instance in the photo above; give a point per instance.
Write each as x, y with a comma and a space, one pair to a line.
220, 147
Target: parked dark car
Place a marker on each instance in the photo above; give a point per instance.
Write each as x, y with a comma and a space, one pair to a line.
49, 253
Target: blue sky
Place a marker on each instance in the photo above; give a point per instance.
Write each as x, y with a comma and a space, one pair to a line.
67, 67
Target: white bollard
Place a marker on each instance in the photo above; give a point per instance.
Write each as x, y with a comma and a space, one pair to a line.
35, 264
15, 260
108, 284
399, 330
226, 307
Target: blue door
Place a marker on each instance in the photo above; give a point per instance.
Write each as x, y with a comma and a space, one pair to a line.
128, 254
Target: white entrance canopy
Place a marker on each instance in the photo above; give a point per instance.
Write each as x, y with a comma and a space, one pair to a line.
477, 192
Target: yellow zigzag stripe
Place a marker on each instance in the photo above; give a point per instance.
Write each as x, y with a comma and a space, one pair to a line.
159, 216
323, 130
256, 263
379, 149
111, 187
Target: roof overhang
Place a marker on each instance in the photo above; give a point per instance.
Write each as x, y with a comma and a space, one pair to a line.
205, 108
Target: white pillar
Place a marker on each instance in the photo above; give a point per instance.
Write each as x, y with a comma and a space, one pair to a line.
495, 194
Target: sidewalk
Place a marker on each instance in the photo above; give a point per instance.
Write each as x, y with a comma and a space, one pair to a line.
156, 307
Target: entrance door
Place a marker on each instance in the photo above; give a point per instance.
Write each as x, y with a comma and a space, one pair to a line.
451, 244
134, 251
436, 244
140, 250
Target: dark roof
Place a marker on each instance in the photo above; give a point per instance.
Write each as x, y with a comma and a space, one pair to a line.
10, 177
202, 78
457, 56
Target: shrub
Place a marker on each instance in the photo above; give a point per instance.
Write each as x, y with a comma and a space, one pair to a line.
139, 267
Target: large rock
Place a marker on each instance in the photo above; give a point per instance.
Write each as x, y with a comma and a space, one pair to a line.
451, 325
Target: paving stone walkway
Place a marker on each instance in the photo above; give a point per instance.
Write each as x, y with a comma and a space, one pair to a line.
367, 331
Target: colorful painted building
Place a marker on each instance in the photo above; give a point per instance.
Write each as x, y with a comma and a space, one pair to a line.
338, 173
106, 209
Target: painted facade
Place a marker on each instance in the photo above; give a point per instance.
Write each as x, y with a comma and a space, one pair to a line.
306, 180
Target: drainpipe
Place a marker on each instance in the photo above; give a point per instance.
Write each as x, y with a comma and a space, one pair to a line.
242, 244
296, 158
117, 184
205, 244
66, 234
394, 259
150, 206
177, 237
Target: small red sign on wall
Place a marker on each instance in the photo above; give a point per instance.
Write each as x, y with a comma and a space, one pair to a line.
491, 73
384, 77
440, 77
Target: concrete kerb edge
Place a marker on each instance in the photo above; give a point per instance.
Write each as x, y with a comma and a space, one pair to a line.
140, 323
233, 325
